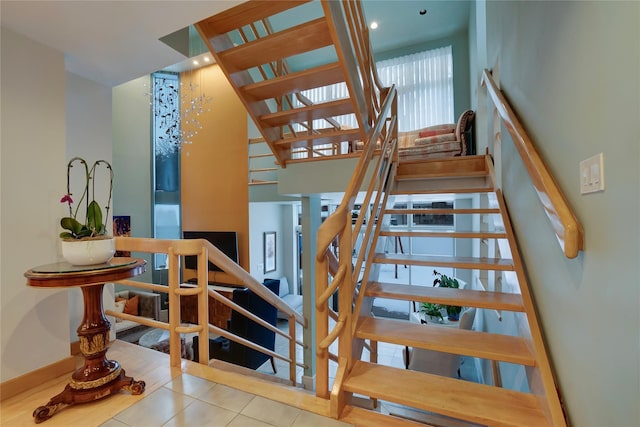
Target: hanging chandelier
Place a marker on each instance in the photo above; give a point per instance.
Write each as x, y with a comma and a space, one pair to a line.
176, 109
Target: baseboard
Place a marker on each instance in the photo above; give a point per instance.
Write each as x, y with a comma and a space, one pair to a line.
230, 367
31, 379
75, 348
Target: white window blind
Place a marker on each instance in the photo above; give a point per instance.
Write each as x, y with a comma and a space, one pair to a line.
424, 82
425, 87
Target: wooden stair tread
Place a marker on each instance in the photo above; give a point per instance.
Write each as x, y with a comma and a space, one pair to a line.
292, 41
323, 75
244, 14
308, 113
450, 165
482, 211
447, 296
504, 348
304, 141
452, 234
446, 261
438, 174
444, 185
360, 416
455, 398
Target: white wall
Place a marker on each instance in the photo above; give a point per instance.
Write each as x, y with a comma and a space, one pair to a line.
132, 187
34, 322
88, 120
571, 70
265, 217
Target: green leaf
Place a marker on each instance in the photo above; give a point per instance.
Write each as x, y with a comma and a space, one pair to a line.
71, 224
85, 232
94, 217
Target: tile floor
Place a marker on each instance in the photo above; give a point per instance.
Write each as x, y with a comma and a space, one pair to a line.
192, 401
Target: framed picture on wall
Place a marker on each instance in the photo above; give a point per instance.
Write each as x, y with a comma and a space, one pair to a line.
122, 227
269, 251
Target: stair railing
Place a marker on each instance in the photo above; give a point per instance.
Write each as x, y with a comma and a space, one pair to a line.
205, 252
371, 177
349, 42
263, 168
568, 230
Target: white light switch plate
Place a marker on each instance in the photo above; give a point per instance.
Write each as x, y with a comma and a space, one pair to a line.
592, 174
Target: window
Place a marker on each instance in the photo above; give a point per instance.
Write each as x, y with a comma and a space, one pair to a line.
166, 140
425, 87
425, 90
433, 219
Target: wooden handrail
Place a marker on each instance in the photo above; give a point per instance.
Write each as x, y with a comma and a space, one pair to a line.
205, 252
568, 230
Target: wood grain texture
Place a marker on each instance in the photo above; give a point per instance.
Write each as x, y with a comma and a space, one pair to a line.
447, 296
563, 220
484, 345
460, 399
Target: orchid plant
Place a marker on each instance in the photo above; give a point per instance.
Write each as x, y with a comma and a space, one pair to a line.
93, 226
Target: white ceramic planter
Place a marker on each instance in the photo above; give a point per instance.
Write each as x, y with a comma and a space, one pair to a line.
88, 252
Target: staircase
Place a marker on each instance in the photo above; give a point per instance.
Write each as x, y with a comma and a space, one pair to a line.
456, 398
255, 55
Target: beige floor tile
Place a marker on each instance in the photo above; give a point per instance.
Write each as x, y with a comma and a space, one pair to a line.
242, 421
227, 397
114, 423
202, 414
155, 409
309, 419
271, 412
190, 385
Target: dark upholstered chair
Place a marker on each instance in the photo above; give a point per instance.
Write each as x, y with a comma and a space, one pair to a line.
229, 351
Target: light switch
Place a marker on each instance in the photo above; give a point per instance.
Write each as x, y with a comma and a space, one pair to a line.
592, 174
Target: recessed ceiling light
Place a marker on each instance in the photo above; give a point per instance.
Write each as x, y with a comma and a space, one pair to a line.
206, 59
374, 25
423, 11
195, 62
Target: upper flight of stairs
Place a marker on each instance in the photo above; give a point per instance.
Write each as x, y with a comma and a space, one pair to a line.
456, 398
255, 55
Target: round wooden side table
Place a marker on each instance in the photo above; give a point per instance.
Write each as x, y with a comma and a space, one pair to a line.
98, 377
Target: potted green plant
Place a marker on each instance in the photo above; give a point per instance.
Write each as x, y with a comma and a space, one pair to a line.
444, 281
434, 311
86, 243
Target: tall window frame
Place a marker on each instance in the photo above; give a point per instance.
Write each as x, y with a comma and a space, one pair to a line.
424, 81
166, 139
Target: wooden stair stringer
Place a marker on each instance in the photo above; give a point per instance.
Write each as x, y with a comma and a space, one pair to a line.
550, 393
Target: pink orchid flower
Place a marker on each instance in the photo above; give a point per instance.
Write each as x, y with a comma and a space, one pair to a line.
66, 199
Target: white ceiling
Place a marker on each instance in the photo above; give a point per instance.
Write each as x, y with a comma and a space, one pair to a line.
112, 42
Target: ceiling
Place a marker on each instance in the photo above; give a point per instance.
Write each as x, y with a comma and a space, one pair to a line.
113, 42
